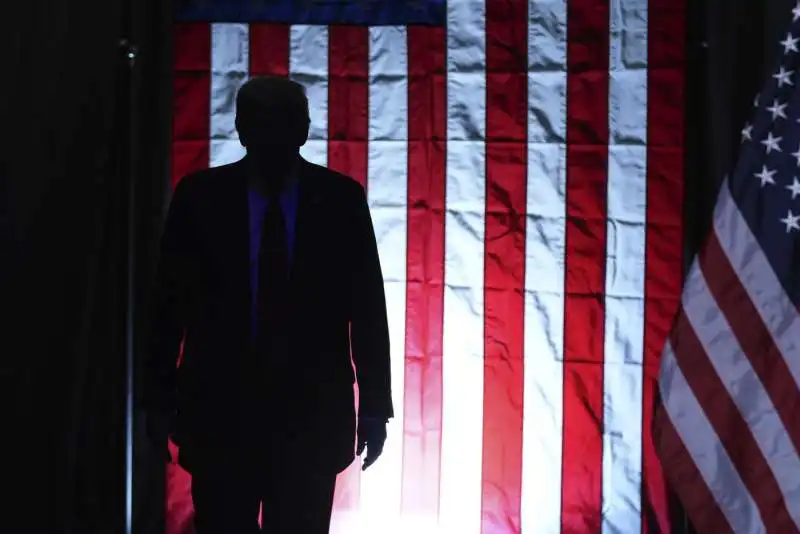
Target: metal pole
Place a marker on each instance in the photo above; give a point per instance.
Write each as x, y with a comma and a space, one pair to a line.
129, 53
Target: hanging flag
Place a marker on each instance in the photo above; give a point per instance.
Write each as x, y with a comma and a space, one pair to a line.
728, 426
524, 166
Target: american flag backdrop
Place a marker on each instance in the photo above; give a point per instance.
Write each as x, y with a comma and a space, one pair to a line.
523, 161
729, 421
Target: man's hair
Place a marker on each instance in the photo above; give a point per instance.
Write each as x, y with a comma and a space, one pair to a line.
263, 93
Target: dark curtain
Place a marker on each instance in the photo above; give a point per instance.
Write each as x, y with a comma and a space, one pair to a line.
69, 142
733, 46
71, 139
61, 295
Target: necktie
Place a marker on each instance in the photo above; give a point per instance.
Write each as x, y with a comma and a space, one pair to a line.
273, 276
260, 377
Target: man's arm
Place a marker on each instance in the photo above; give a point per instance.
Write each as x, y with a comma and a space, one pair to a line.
169, 310
369, 330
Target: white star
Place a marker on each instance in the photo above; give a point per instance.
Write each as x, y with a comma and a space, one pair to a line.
791, 221
789, 44
772, 143
755, 100
784, 77
766, 176
747, 134
797, 155
796, 12
777, 110
795, 187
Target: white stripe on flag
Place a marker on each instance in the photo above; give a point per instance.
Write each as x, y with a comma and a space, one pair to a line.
230, 66
308, 65
779, 314
705, 448
388, 198
625, 267
744, 387
463, 328
543, 392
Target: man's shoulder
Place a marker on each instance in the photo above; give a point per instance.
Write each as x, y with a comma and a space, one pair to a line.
210, 179
333, 182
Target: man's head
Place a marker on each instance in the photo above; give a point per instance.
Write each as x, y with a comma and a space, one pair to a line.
272, 119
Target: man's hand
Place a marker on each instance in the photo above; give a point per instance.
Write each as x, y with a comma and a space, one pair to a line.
372, 436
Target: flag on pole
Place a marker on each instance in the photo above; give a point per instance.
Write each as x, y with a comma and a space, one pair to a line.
523, 162
728, 426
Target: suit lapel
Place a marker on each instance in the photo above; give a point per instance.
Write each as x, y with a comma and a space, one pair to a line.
235, 218
308, 204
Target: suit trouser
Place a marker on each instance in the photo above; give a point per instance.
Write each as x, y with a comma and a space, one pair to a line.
228, 490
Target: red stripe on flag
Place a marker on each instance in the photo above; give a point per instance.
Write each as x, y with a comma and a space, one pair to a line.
504, 262
427, 132
585, 259
269, 49
703, 509
348, 125
753, 336
666, 58
348, 99
731, 428
191, 97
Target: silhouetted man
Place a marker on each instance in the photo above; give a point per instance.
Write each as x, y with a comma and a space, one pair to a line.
270, 275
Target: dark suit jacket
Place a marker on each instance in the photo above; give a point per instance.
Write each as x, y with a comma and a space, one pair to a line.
302, 398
